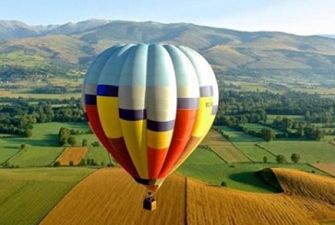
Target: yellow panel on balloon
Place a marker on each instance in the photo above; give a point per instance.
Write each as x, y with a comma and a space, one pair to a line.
134, 133
159, 139
204, 118
108, 110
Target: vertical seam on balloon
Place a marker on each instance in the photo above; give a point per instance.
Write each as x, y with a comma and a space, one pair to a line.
119, 119
176, 94
194, 121
196, 116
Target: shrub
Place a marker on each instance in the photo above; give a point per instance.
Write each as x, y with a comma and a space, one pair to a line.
280, 159
265, 159
82, 162
95, 144
56, 164
84, 142
72, 141
223, 184
295, 157
28, 132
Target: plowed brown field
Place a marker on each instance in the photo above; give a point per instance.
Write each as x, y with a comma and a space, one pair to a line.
326, 167
110, 197
224, 148
74, 154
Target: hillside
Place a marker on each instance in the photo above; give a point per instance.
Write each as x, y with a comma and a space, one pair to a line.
64, 49
109, 196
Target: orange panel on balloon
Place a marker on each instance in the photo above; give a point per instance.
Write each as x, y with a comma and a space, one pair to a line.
182, 132
156, 159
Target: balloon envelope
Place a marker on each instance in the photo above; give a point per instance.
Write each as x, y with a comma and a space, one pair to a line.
150, 106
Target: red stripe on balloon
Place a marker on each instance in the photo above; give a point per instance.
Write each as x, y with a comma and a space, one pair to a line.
156, 159
119, 156
185, 119
123, 156
93, 119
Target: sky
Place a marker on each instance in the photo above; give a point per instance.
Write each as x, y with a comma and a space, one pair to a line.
302, 17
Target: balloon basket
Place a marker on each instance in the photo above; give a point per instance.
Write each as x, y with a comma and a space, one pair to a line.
149, 202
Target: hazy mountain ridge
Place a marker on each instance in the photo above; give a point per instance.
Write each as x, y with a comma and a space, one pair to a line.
58, 48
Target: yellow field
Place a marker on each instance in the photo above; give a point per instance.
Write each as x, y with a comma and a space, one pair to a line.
110, 197
326, 167
307, 185
225, 149
74, 154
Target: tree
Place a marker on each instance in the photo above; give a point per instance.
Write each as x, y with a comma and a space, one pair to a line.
84, 142
63, 135
72, 141
265, 159
23, 146
268, 134
95, 144
82, 162
28, 133
295, 157
281, 159
223, 184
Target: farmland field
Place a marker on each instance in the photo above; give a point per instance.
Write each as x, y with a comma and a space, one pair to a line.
109, 196
247, 144
223, 148
307, 185
327, 167
27, 195
256, 127
93, 202
45, 134
205, 165
72, 154
99, 155
36, 156
310, 151
271, 117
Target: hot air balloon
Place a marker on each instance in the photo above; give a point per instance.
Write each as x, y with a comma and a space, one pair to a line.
150, 105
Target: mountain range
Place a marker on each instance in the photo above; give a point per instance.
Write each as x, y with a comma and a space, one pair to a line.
68, 48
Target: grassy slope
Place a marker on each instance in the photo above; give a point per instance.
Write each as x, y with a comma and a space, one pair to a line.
27, 195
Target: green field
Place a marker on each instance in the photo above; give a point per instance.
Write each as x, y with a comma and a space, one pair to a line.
99, 154
207, 166
27, 195
247, 144
7, 149
42, 148
271, 118
36, 156
310, 151
256, 127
